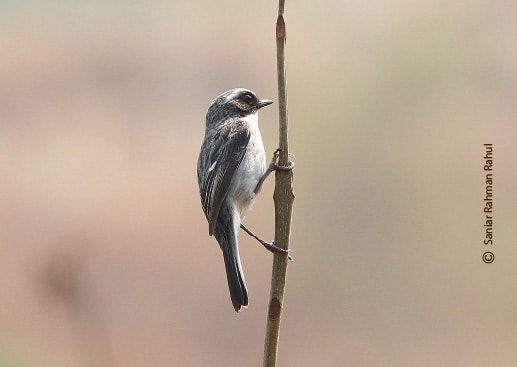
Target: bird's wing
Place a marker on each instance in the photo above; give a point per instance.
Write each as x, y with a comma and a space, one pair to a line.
228, 149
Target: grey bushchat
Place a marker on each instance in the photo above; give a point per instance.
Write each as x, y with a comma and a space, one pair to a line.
231, 169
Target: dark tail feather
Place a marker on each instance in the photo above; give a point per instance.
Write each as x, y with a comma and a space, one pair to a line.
236, 282
234, 274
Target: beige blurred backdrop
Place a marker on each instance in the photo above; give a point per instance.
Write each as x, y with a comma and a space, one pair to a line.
105, 258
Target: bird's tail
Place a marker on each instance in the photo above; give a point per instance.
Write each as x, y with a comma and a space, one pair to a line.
235, 277
228, 241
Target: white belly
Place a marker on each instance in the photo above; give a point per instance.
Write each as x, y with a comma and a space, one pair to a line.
248, 174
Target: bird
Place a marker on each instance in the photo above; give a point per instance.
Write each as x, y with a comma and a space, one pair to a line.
230, 170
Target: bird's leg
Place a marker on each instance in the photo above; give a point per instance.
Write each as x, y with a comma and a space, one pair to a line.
273, 166
268, 245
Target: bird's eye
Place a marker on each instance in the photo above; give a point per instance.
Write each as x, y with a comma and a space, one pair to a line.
248, 98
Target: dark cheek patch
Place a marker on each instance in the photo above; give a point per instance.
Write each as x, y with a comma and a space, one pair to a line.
241, 105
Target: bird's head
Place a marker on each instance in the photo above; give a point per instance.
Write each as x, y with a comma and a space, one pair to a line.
238, 102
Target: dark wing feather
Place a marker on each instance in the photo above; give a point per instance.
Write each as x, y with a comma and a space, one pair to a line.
228, 147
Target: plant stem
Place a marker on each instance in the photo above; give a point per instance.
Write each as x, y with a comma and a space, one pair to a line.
283, 198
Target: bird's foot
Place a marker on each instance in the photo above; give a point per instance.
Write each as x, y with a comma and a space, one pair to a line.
268, 245
273, 166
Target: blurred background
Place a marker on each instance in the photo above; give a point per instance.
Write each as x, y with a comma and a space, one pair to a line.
105, 258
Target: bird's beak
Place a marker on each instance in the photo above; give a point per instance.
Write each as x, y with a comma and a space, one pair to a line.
263, 103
